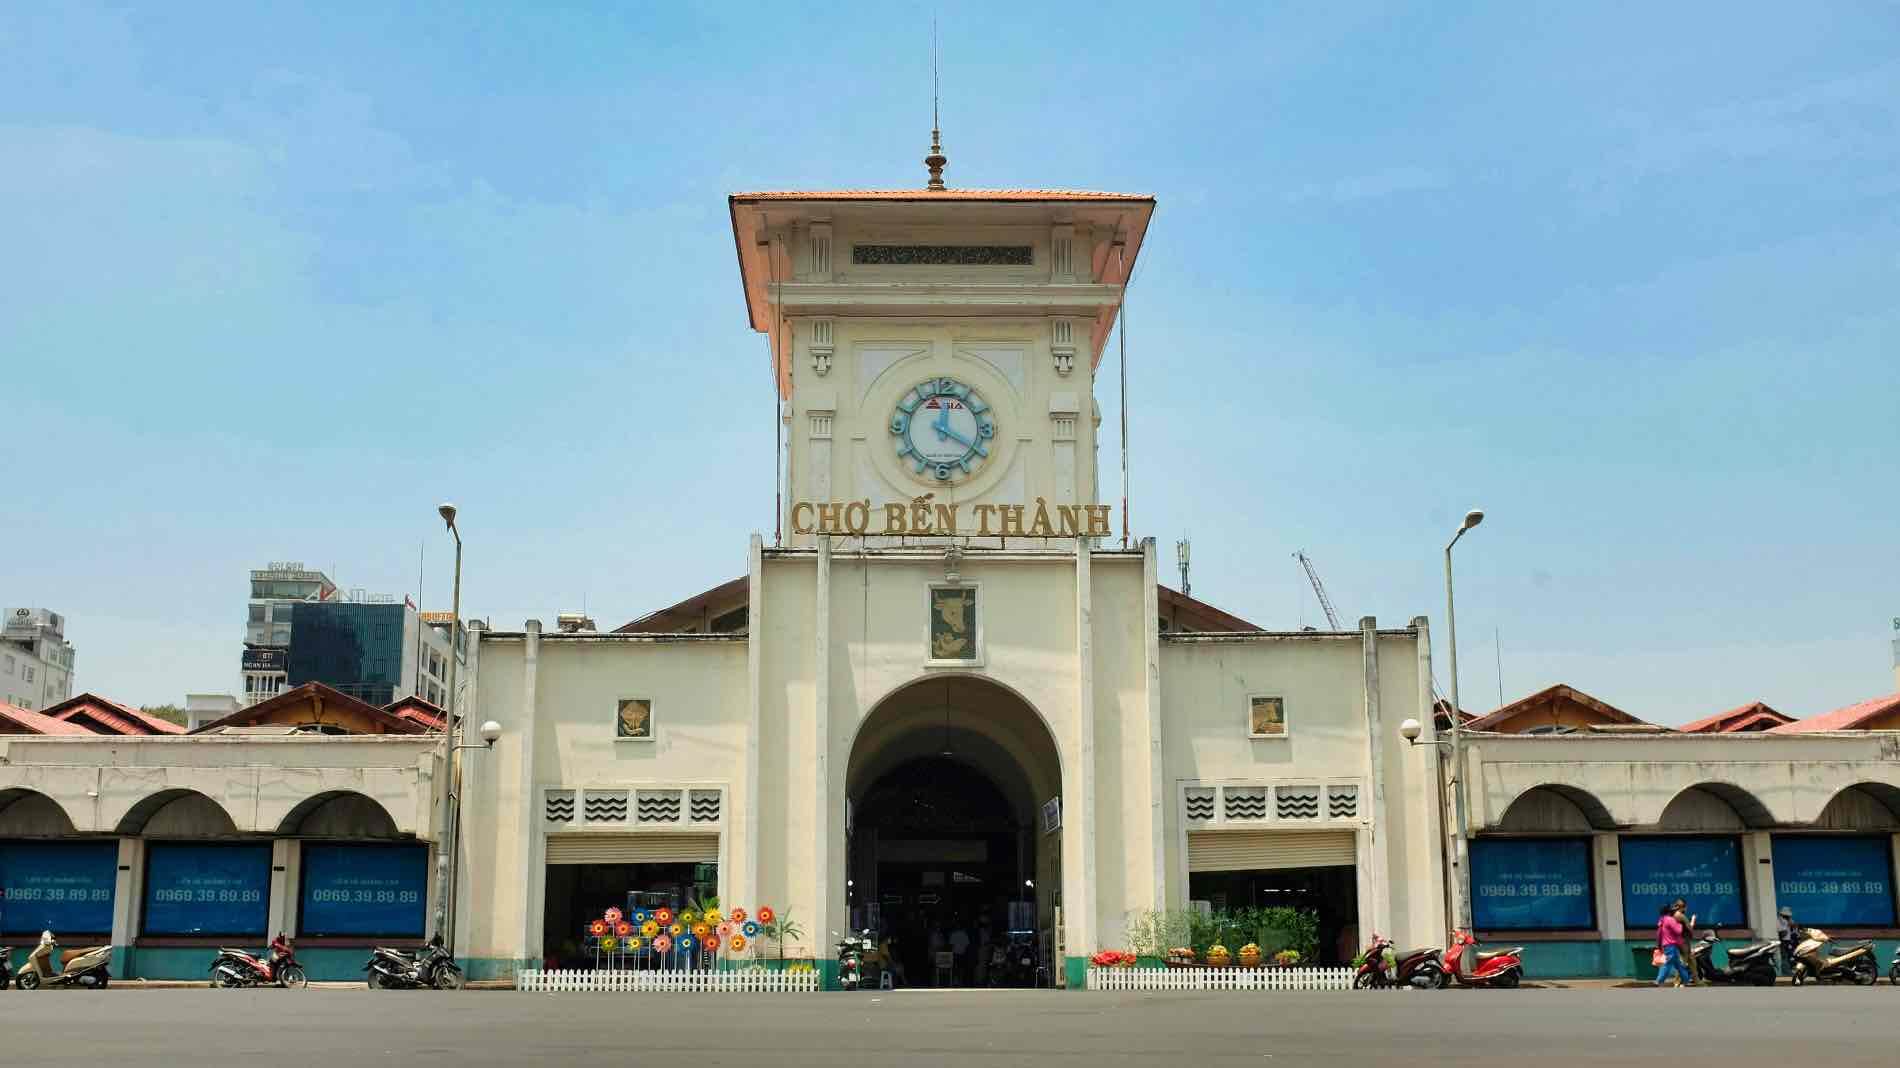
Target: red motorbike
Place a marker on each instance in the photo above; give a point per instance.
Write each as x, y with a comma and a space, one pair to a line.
1380, 967
235, 968
1472, 967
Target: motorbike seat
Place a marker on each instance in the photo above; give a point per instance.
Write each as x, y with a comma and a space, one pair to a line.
1852, 946
1488, 954
1415, 954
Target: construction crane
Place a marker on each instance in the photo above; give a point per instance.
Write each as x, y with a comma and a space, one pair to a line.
1319, 589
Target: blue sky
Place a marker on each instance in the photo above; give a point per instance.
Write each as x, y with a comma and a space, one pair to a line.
1627, 276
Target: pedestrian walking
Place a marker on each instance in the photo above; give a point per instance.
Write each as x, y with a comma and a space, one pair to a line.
1670, 948
1687, 919
1785, 928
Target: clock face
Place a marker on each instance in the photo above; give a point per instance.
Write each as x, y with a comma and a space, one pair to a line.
943, 430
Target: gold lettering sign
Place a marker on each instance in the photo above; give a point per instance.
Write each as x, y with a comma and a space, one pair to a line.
923, 517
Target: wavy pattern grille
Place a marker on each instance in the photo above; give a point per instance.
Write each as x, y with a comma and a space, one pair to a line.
659, 806
606, 806
703, 806
559, 806
1246, 802
1296, 802
1200, 802
1342, 802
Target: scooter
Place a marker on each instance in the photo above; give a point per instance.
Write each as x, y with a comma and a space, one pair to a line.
91, 968
392, 969
1502, 968
851, 951
234, 967
1893, 973
1854, 964
1419, 969
1752, 964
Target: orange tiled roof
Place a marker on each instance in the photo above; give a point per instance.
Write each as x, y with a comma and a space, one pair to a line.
1841, 719
39, 722
1723, 722
942, 194
119, 718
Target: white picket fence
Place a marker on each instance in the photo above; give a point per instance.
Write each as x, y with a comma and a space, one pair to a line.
574, 981
1220, 978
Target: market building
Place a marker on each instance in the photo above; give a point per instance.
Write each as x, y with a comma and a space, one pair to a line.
947, 692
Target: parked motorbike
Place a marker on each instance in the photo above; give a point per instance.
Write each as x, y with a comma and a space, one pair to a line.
852, 949
1893, 973
1471, 967
6, 973
1752, 964
432, 967
91, 968
1851, 964
235, 968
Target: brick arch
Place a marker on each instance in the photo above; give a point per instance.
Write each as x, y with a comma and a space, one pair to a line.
28, 813
1523, 810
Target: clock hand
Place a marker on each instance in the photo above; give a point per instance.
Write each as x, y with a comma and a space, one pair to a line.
942, 425
946, 432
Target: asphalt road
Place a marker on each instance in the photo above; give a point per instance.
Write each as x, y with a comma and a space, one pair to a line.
1778, 1027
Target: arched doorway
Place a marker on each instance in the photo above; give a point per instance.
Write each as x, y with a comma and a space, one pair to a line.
953, 844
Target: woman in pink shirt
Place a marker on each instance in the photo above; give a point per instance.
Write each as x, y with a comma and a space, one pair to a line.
1669, 939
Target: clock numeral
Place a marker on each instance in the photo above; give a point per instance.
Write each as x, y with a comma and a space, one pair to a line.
943, 472
900, 423
986, 430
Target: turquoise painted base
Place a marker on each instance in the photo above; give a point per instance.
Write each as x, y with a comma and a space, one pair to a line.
1617, 958
1076, 971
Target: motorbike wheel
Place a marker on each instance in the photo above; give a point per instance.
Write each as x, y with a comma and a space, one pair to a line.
29, 980
1443, 980
448, 977
1762, 977
292, 977
1507, 980
1366, 981
375, 980
1894, 975
1865, 974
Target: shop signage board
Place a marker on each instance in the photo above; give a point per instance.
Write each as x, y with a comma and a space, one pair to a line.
1835, 881
1705, 872
1531, 884
64, 887
371, 890
193, 889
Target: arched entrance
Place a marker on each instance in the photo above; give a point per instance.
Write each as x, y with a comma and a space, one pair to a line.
946, 847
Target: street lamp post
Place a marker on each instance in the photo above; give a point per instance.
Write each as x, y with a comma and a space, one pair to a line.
1462, 837
445, 818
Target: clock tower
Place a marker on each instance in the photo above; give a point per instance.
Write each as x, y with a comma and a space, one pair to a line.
936, 349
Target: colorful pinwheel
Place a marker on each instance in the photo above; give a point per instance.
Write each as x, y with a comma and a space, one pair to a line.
700, 931
737, 915
597, 928
712, 943
623, 928
608, 943
641, 915
649, 928
736, 943
685, 944
676, 930
665, 916
633, 945
687, 916
662, 944
710, 916
724, 930
612, 916
751, 928
766, 915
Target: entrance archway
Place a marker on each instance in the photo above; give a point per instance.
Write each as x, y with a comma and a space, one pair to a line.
946, 848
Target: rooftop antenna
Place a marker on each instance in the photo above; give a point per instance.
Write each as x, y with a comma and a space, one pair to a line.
936, 159
1181, 555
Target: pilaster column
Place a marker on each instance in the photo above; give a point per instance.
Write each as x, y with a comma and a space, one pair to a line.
1758, 882
1078, 899
823, 900
128, 885
533, 872
1376, 860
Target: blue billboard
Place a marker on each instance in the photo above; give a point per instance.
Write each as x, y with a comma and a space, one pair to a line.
1532, 884
369, 890
1705, 872
63, 887
1829, 881
193, 889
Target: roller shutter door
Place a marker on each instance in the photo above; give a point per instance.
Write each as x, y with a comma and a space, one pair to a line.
1260, 850
633, 849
